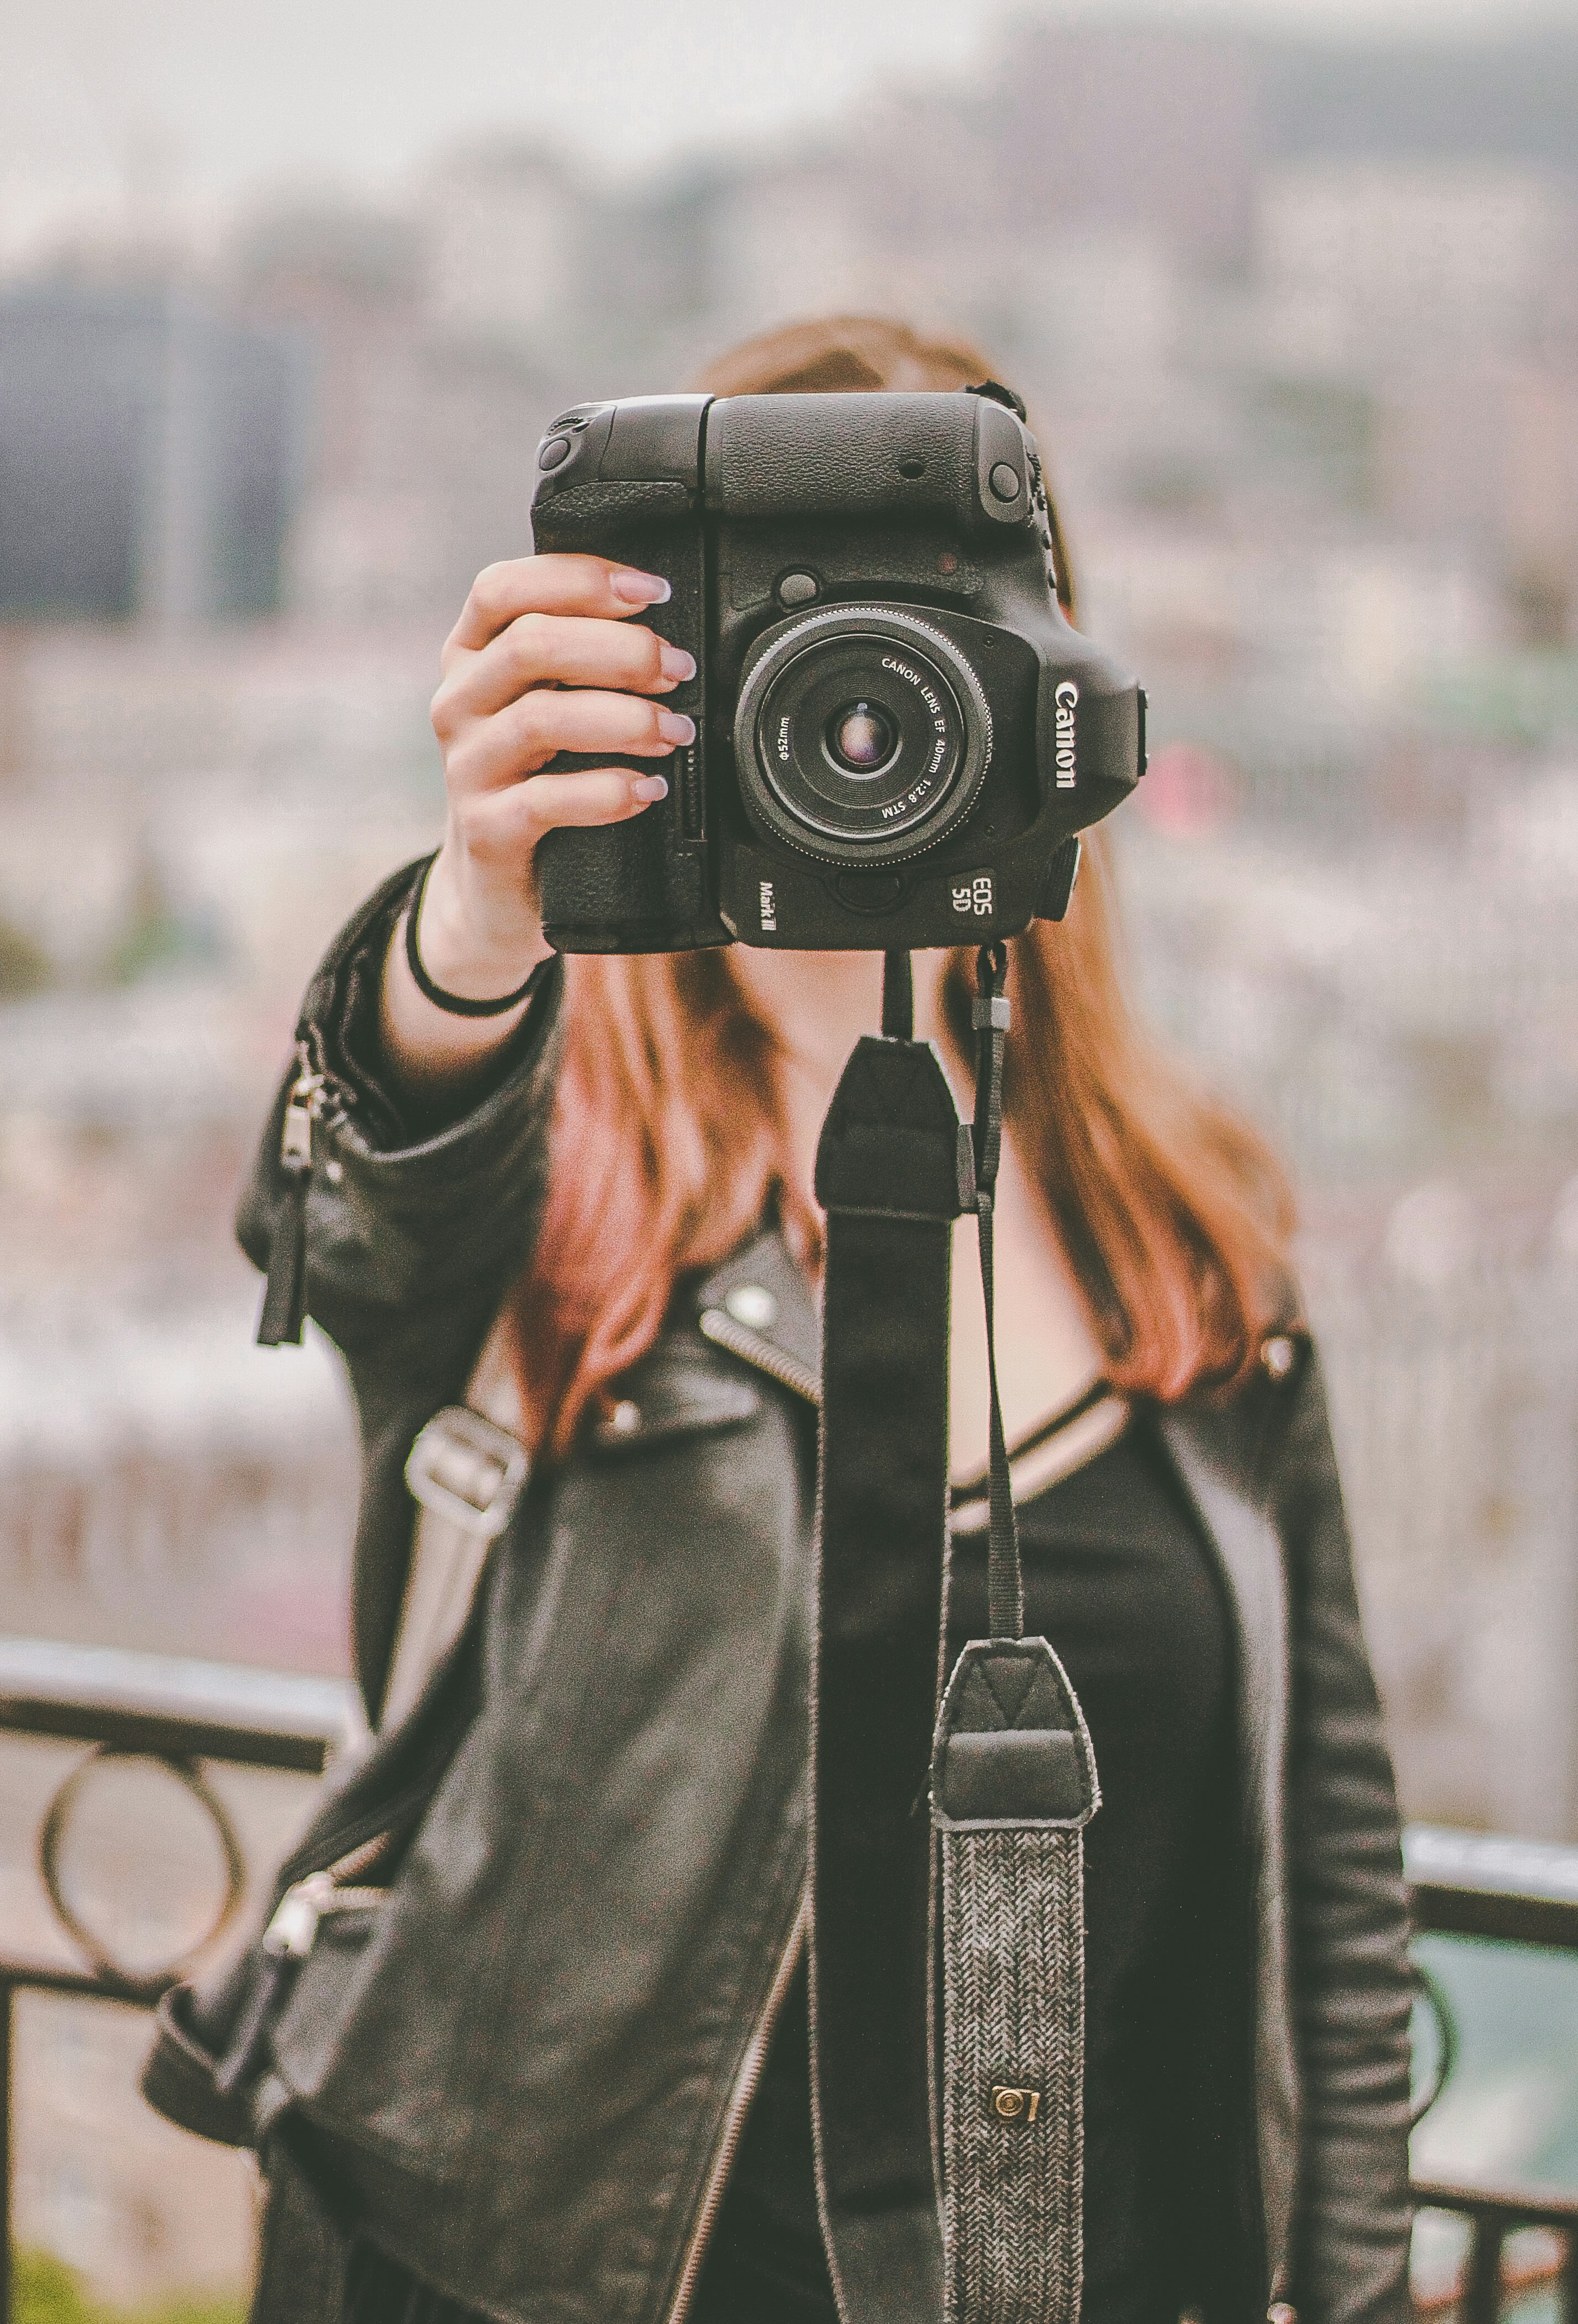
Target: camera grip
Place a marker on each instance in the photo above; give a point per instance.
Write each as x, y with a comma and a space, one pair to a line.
630, 887
640, 886
652, 527
593, 516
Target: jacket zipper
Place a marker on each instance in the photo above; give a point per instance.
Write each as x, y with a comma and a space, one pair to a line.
284, 1304
746, 2082
302, 1109
719, 1326
292, 1932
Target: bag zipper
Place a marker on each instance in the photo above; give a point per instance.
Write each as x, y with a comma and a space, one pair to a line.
292, 1932
284, 1308
287, 1941
746, 2083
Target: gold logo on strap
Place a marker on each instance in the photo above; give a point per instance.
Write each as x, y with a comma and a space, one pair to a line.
1013, 2106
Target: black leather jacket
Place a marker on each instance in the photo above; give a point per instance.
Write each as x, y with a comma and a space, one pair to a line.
531, 2072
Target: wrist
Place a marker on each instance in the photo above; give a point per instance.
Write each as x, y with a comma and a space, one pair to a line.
476, 946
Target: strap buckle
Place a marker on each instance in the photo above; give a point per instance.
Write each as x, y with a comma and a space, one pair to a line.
469, 1470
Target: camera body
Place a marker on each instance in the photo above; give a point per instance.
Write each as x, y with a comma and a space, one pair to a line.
898, 734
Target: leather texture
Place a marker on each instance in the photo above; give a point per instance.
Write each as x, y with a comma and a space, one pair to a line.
845, 456
530, 2068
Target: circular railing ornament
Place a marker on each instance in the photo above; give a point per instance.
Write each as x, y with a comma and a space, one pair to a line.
1435, 2001
145, 1984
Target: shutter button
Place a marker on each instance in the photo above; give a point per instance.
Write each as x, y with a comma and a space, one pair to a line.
798, 588
1005, 481
554, 452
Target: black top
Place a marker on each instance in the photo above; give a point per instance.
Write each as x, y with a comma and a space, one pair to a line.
1118, 1578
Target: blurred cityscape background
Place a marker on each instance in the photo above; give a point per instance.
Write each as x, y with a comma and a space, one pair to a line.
1298, 321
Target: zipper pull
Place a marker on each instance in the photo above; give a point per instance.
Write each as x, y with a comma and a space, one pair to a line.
288, 1938
293, 1931
302, 1110
287, 1941
284, 1307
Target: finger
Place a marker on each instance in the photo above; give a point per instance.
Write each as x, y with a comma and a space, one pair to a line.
518, 740
591, 585
557, 650
508, 823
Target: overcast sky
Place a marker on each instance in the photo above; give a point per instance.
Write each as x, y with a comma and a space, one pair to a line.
202, 101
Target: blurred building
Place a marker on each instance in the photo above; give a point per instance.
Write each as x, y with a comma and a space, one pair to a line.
1381, 266
1501, 94
504, 246
1403, 1015
1143, 128
150, 455
441, 338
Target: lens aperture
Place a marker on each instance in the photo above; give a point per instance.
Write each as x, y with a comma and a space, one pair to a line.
859, 738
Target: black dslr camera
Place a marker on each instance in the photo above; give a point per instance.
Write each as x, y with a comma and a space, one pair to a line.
898, 735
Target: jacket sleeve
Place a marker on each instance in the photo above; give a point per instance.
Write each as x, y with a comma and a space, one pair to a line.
401, 1208
1352, 1987
403, 1231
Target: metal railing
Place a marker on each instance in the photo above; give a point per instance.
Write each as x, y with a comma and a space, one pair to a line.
184, 1716
1521, 1892
181, 1716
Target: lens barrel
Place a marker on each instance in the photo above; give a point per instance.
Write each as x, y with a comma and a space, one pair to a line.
863, 733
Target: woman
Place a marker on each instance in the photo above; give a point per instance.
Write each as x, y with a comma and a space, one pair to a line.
566, 2077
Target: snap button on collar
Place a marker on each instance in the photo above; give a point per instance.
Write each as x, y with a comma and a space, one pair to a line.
752, 1305
626, 1418
1276, 1355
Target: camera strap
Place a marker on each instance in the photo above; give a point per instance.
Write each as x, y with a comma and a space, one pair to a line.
964, 2071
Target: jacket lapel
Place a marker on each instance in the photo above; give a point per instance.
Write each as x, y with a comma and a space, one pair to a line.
1250, 1555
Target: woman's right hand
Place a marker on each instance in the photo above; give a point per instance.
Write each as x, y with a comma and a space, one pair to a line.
546, 657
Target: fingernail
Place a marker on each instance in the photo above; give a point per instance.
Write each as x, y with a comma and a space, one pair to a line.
638, 588
675, 727
647, 787
675, 663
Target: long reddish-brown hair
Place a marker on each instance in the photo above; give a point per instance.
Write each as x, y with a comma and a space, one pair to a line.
669, 1143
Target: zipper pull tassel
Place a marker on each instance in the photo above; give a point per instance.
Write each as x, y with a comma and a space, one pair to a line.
284, 1307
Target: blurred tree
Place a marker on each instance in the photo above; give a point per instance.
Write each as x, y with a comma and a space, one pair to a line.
25, 967
45, 2291
156, 934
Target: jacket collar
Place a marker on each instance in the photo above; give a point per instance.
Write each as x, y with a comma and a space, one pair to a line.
759, 1306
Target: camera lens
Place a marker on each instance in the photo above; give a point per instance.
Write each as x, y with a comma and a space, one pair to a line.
861, 734
860, 738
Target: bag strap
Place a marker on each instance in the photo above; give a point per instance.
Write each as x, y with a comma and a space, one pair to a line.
969, 2078
465, 1471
